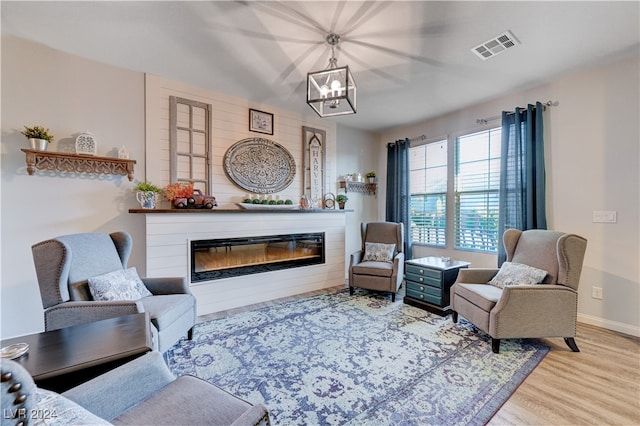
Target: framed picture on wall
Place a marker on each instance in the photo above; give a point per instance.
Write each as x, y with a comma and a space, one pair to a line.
260, 121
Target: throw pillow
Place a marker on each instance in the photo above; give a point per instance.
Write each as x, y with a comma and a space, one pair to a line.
517, 274
378, 252
124, 284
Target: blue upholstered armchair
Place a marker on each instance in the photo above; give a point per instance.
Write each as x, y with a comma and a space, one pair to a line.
65, 264
141, 392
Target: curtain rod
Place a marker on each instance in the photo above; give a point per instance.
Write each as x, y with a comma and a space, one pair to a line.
497, 117
417, 138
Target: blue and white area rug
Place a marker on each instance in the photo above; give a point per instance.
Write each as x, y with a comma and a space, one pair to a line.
337, 359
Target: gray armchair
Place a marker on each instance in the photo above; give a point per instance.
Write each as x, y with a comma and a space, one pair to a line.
378, 275
141, 392
548, 309
64, 265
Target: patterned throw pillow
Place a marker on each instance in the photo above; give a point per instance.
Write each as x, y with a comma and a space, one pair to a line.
124, 284
378, 252
517, 274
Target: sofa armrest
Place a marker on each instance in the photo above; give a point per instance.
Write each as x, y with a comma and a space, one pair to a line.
476, 275
356, 257
75, 313
257, 415
398, 268
167, 285
109, 395
541, 310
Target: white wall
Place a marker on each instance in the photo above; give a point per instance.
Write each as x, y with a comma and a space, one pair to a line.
229, 124
69, 95
592, 158
357, 153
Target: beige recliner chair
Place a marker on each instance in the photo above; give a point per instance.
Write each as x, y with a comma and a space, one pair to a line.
548, 309
382, 274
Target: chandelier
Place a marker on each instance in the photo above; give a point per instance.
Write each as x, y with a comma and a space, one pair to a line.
332, 91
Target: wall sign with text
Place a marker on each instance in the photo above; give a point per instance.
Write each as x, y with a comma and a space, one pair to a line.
314, 152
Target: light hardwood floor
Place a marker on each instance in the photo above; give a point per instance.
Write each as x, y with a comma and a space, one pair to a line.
600, 385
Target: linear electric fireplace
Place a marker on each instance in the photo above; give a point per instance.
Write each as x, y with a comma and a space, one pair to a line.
232, 257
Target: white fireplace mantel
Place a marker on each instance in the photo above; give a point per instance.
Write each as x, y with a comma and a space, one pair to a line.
168, 233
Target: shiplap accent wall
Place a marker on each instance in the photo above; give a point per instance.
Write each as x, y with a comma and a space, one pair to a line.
169, 234
229, 124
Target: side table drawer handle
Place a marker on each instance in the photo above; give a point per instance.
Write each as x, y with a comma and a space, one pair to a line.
421, 279
422, 271
421, 288
422, 296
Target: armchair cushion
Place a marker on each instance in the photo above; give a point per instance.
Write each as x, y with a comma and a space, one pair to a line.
121, 284
378, 252
166, 309
517, 274
183, 397
380, 269
483, 296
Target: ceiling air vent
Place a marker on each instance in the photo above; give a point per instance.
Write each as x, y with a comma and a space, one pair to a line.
496, 45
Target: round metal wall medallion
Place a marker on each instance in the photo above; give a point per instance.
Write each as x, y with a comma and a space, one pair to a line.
259, 165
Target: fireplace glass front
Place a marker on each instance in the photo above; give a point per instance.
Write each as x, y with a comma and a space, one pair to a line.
232, 257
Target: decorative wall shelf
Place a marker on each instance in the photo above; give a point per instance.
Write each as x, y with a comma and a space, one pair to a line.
359, 187
74, 163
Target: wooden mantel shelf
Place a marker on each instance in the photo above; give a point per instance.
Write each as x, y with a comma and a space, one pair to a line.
68, 162
232, 210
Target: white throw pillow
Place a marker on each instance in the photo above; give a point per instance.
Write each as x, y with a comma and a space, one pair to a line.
378, 252
517, 274
124, 284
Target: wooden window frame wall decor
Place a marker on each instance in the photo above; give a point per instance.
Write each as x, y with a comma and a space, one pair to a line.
260, 121
201, 182
314, 164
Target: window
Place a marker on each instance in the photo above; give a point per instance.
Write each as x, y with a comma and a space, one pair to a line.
428, 183
477, 184
189, 142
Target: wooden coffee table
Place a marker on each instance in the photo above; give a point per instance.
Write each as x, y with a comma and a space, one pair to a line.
61, 359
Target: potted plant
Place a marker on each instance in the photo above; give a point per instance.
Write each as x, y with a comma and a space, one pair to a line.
341, 199
371, 177
146, 194
38, 136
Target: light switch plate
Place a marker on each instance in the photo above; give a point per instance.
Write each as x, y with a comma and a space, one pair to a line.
602, 216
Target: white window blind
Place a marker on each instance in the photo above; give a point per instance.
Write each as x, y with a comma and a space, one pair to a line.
428, 187
477, 184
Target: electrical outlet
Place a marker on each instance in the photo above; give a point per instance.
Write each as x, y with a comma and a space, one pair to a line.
596, 292
600, 216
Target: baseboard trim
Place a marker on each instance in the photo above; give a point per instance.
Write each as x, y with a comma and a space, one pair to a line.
610, 325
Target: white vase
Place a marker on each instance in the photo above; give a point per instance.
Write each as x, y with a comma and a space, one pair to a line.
38, 144
147, 199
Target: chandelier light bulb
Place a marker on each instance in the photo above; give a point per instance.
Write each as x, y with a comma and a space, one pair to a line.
336, 87
324, 91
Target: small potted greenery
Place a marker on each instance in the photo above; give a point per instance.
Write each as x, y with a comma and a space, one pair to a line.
341, 199
147, 194
371, 177
38, 136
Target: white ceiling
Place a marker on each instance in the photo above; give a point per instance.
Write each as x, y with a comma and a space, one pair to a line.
411, 60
